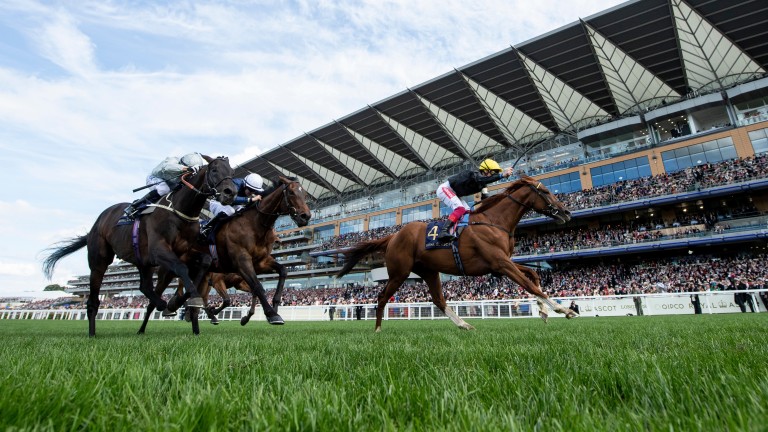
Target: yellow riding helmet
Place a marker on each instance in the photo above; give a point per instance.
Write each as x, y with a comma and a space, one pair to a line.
490, 165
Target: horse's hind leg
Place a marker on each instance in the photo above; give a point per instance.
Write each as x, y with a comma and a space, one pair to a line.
432, 279
100, 256
389, 290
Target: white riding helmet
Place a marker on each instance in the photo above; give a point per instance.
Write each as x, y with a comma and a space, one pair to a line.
193, 160
255, 182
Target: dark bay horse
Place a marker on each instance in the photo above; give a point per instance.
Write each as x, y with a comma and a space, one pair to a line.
485, 246
244, 246
162, 238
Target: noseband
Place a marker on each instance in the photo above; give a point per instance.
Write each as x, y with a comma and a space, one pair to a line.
551, 210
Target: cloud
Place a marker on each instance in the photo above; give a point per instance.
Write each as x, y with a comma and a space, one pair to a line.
94, 94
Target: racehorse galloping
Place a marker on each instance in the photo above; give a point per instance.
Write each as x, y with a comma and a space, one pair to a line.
485, 246
162, 238
244, 246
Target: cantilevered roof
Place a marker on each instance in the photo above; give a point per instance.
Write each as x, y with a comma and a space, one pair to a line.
613, 64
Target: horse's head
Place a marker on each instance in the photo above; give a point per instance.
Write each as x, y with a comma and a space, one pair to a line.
218, 179
295, 201
537, 197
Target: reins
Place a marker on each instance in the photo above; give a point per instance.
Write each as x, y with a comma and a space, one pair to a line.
291, 210
550, 211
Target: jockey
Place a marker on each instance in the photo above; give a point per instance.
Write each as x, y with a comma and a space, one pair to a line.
466, 183
165, 177
249, 190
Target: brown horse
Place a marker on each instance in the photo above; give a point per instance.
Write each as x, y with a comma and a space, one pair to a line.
244, 246
485, 246
162, 238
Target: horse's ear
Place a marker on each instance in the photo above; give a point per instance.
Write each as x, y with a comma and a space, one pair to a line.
207, 158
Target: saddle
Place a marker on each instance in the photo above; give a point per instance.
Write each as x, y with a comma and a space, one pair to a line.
143, 209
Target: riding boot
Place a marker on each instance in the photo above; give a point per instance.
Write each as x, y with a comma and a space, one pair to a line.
445, 234
149, 198
205, 230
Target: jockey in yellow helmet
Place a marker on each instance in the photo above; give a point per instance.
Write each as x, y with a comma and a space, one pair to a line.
465, 183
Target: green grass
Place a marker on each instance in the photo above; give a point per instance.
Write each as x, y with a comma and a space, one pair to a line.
627, 373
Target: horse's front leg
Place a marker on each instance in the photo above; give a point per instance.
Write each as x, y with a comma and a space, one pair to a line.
529, 280
277, 299
248, 274
164, 278
146, 287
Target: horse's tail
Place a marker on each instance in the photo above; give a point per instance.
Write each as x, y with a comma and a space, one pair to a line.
60, 251
357, 252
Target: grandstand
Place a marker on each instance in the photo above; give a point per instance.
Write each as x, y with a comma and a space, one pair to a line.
649, 120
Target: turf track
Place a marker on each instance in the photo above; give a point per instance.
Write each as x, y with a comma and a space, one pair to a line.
629, 373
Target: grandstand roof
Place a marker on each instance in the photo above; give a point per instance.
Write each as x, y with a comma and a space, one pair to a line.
615, 63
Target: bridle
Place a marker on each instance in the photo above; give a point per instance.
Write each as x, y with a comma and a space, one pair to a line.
551, 210
290, 210
209, 190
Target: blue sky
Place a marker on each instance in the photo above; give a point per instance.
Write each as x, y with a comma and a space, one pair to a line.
93, 94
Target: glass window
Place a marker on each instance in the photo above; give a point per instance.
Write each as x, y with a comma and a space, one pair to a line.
417, 213
625, 170
323, 233
708, 152
563, 184
382, 220
355, 225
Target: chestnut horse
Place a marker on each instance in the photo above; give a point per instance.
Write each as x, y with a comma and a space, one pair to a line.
244, 246
485, 246
162, 238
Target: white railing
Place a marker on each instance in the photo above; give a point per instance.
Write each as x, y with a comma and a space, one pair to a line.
650, 304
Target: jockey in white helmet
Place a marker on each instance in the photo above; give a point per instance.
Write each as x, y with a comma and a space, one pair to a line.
249, 189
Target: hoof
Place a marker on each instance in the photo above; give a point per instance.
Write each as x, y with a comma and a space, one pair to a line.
378, 330
244, 320
215, 321
544, 317
169, 313
275, 320
572, 314
195, 302
466, 327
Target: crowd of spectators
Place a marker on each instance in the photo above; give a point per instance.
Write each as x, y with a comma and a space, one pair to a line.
700, 177
679, 274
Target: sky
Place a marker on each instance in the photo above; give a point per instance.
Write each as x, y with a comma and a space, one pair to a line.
94, 94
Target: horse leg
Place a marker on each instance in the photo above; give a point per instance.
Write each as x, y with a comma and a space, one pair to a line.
163, 279
169, 261
100, 256
389, 290
146, 287
254, 301
513, 271
210, 311
92, 306
282, 274
432, 279
248, 273
536, 279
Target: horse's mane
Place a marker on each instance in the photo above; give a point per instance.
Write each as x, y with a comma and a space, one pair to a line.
276, 183
491, 201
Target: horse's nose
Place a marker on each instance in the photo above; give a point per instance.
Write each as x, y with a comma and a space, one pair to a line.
228, 192
305, 217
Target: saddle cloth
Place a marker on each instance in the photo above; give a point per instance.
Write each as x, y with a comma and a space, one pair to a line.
433, 228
